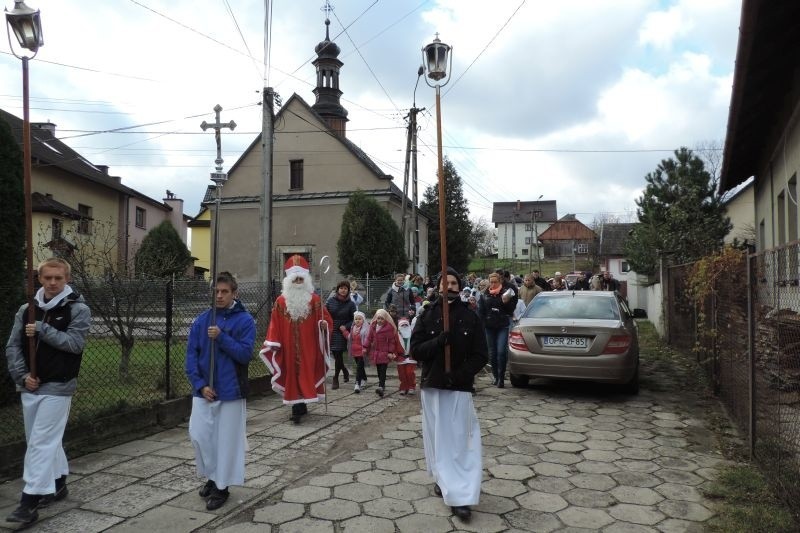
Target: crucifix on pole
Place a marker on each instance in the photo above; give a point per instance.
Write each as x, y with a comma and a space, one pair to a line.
219, 178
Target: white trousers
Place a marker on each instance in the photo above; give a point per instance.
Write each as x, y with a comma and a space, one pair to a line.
45, 418
217, 431
451, 437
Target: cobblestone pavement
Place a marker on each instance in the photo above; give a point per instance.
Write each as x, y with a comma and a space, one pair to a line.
564, 457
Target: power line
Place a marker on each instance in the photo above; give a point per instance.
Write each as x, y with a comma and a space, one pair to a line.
241, 35
87, 69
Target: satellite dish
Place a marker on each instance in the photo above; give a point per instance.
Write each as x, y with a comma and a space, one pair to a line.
325, 264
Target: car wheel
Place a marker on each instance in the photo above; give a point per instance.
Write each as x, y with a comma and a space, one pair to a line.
632, 387
518, 380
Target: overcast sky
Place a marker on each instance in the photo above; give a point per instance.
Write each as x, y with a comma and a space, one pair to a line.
574, 100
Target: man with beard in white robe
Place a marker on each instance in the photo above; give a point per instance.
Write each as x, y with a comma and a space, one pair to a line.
296, 350
451, 434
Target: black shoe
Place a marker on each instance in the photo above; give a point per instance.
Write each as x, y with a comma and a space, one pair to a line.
501, 384
462, 511
23, 514
205, 492
295, 419
59, 495
346, 376
437, 490
379, 391
216, 499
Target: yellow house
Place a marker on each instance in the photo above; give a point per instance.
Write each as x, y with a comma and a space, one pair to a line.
201, 241
73, 199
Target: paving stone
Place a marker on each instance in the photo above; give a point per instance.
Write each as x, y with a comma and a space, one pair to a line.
94, 462
568, 436
489, 503
592, 481
331, 480
595, 467
131, 500
409, 454
597, 434
568, 447
76, 521
482, 522
96, 485
601, 444
244, 527
372, 524
560, 458
398, 466
539, 428
674, 491
606, 456
279, 512
644, 444
406, 491
357, 492
527, 448
418, 522
511, 472
637, 466
144, 466
377, 477
586, 518
307, 494
576, 420
542, 501
335, 509
180, 451
674, 525
386, 444
636, 495
307, 525
637, 433
572, 428
627, 527
589, 498
517, 459
370, 455
434, 505
532, 438
164, 518
676, 463
136, 448
168, 480
669, 424
678, 476
529, 520
388, 508
419, 477
399, 435
639, 454
638, 514
552, 469
685, 510
351, 467
553, 485
503, 487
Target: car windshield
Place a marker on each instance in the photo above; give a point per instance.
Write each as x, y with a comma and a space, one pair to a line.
572, 307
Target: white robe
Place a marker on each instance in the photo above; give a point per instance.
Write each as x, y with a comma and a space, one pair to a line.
451, 437
218, 433
45, 418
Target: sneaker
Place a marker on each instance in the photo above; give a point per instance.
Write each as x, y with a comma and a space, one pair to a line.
379, 391
403, 393
205, 492
357, 388
412, 392
216, 499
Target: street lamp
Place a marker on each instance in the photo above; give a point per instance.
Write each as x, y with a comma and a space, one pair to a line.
533, 225
26, 25
435, 60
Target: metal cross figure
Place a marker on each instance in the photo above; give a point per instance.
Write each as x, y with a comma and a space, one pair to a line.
219, 178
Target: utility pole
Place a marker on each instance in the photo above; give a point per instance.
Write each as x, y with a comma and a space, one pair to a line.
415, 188
411, 161
265, 213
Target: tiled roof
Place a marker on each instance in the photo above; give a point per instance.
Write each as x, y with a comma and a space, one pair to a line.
45, 204
506, 212
567, 230
612, 238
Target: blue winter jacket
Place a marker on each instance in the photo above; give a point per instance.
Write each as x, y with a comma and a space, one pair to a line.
233, 347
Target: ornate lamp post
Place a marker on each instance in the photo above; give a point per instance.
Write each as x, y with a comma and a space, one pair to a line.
534, 243
26, 25
435, 60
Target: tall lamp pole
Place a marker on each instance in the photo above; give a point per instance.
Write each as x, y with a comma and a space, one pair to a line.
533, 243
435, 60
26, 25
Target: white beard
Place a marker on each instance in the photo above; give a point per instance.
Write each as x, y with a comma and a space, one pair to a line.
297, 296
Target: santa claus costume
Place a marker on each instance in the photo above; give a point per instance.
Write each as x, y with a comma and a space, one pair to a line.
297, 348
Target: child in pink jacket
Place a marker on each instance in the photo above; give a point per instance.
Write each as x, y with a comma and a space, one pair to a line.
357, 337
383, 344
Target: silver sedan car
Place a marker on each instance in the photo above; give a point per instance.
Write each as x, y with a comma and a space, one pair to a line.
584, 335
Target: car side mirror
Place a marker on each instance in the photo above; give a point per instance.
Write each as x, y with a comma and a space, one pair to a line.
639, 313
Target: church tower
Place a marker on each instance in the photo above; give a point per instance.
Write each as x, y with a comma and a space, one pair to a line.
327, 90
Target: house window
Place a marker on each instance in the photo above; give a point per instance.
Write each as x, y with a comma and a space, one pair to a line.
625, 267
524, 251
296, 174
56, 229
85, 222
582, 248
528, 227
141, 218
527, 240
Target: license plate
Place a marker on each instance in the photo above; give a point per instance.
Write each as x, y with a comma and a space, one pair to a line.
567, 342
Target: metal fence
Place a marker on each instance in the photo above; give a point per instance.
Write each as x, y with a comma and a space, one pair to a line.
746, 337
135, 350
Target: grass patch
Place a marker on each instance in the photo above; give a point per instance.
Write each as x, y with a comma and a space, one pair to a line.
746, 503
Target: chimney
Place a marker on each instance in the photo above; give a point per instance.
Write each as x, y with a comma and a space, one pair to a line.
103, 169
48, 129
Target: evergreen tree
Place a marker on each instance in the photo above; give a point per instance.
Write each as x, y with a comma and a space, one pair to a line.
461, 238
162, 253
12, 244
680, 213
370, 240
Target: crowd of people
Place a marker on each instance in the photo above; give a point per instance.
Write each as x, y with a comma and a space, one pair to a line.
307, 336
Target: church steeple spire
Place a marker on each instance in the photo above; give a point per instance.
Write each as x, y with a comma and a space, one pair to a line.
327, 89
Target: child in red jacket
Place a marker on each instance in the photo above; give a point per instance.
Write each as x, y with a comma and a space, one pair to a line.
383, 344
357, 337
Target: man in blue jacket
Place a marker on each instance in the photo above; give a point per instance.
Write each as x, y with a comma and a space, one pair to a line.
217, 423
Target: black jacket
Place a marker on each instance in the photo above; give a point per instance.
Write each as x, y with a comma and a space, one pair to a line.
468, 350
493, 311
342, 314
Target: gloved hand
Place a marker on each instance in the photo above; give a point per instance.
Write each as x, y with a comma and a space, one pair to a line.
443, 339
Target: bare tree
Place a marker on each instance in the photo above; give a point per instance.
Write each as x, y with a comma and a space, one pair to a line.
710, 152
485, 236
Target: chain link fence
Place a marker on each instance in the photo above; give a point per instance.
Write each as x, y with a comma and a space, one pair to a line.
746, 337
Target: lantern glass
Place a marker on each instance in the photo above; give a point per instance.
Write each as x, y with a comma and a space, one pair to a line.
436, 59
27, 26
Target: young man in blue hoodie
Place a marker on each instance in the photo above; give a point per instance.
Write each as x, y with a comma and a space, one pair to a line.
62, 322
217, 423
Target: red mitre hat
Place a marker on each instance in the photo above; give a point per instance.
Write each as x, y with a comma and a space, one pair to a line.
296, 264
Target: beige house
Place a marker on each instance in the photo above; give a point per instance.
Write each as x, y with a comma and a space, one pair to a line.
315, 170
71, 196
740, 208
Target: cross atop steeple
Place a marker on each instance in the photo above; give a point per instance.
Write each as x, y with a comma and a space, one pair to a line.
327, 8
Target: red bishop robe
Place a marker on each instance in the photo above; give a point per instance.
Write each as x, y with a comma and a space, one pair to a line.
293, 354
